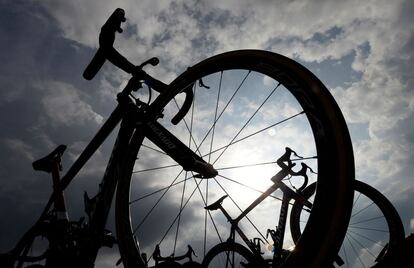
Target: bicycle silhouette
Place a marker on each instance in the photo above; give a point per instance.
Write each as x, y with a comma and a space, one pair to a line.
252, 255
228, 114
372, 214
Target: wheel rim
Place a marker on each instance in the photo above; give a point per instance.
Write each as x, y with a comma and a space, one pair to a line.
248, 153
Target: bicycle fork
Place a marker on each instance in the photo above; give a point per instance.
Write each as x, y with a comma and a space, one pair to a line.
183, 155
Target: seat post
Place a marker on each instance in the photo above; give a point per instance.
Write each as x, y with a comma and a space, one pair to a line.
59, 200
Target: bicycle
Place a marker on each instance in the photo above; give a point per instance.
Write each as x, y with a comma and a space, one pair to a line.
143, 127
252, 255
374, 233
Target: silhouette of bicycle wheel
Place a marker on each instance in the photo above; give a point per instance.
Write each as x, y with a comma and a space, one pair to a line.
248, 106
374, 231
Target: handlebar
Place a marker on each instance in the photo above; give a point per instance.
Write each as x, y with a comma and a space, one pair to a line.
106, 51
157, 255
285, 163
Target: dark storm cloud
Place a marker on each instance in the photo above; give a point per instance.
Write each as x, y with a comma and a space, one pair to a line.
33, 53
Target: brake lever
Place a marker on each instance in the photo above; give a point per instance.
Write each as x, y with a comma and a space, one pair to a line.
189, 95
303, 172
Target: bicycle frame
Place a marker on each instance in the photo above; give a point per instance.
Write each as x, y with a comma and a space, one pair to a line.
103, 200
288, 194
131, 116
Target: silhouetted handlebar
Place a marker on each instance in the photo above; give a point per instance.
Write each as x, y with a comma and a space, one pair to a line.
189, 95
106, 49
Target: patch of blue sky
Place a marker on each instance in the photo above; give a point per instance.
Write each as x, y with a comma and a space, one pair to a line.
335, 72
359, 131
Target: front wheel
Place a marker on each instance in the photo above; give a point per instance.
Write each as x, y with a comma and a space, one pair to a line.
248, 106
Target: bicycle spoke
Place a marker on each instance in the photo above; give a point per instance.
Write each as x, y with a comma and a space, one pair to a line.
346, 256
371, 219
157, 191
367, 238
370, 229
359, 211
257, 132
179, 217
353, 248
151, 148
262, 164
254, 226
189, 131
156, 203
209, 158
156, 168
362, 246
249, 187
356, 200
189, 146
247, 165
247, 122
215, 117
225, 107
209, 213
175, 219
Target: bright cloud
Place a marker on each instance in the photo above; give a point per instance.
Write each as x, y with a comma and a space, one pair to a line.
64, 106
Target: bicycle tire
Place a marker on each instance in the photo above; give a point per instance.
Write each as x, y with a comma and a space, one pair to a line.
226, 248
383, 205
321, 240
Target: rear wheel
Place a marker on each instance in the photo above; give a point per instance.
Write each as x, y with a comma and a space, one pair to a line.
249, 105
229, 255
374, 231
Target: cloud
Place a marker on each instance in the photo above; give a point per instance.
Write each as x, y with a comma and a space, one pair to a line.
19, 148
64, 106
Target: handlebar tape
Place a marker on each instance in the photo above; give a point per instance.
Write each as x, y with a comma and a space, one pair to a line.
106, 50
95, 65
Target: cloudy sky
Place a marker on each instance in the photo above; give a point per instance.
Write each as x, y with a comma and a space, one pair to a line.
361, 50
